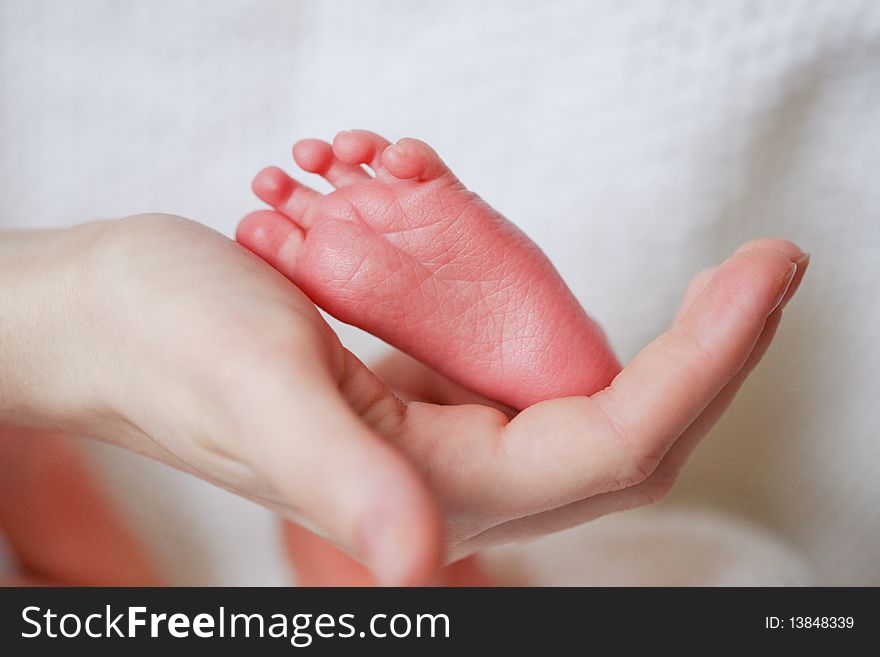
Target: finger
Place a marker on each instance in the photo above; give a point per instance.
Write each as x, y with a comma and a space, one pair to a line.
672, 381
338, 475
661, 480
681, 450
412, 380
59, 525
684, 446
697, 285
802, 264
317, 562
646, 492
563, 450
790, 250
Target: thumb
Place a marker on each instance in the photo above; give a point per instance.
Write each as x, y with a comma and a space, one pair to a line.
338, 477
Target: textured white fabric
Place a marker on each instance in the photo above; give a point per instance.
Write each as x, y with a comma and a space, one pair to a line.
654, 547
636, 142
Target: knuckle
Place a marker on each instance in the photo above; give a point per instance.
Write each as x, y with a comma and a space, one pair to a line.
654, 489
110, 247
639, 455
638, 467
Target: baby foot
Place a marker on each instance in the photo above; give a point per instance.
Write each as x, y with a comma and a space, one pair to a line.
412, 256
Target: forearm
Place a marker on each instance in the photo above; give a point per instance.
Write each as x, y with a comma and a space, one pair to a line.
42, 335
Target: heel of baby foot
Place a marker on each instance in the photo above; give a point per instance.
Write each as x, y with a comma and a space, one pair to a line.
414, 159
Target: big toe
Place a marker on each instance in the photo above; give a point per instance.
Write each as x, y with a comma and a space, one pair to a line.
413, 159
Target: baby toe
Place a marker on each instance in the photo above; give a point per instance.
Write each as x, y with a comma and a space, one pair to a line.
360, 147
412, 158
286, 195
316, 156
273, 237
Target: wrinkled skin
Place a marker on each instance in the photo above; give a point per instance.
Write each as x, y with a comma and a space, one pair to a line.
415, 258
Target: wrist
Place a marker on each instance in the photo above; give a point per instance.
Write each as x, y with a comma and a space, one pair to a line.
44, 335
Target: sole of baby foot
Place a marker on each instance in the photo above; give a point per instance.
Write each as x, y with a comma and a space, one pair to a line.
403, 250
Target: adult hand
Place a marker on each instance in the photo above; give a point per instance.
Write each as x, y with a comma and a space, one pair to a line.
162, 335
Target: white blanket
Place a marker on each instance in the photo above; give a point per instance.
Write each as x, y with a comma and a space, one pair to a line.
635, 142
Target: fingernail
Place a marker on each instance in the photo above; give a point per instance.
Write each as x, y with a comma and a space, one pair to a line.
786, 283
384, 550
802, 263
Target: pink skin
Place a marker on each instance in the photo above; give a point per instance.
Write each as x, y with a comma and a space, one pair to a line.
414, 257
